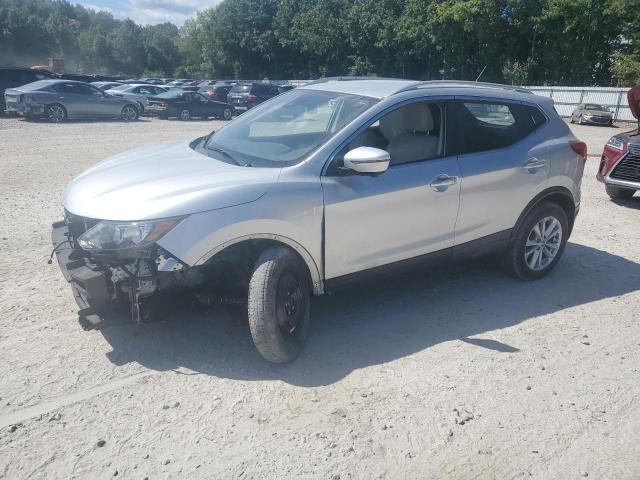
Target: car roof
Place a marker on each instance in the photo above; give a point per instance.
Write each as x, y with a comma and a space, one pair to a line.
374, 87
385, 87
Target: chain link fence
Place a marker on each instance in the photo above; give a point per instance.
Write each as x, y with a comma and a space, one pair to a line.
566, 99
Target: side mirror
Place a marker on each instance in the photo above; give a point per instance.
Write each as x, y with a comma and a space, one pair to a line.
367, 160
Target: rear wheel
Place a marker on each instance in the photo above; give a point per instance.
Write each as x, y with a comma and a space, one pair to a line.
185, 114
129, 113
538, 242
279, 299
56, 113
617, 193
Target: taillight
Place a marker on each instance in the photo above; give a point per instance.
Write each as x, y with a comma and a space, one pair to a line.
251, 98
580, 148
213, 94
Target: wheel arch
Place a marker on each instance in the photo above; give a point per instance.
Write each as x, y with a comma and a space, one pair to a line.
259, 242
559, 195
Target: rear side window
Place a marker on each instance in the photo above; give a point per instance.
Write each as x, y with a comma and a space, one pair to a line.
537, 117
478, 126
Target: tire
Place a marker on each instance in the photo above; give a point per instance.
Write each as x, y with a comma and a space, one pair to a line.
129, 113
185, 114
617, 193
278, 307
227, 114
580, 120
572, 120
56, 113
521, 260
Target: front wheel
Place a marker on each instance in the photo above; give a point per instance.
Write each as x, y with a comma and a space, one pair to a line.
129, 113
538, 242
617, 193
278, 307
185, 114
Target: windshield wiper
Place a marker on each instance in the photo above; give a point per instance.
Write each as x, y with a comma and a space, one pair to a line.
229, 156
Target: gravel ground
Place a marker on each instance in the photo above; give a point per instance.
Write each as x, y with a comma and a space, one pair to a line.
461, 374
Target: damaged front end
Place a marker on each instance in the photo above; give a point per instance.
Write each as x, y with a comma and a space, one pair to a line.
117, 265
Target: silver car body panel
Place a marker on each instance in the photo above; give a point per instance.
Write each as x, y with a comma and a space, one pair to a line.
367, 221
140, 98
165, 180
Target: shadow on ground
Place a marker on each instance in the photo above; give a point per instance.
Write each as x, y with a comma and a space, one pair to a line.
633, 202
379, 322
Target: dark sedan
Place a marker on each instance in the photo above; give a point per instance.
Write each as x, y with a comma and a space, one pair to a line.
185, 105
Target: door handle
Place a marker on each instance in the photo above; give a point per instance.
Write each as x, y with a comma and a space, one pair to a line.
442, 182
534, 164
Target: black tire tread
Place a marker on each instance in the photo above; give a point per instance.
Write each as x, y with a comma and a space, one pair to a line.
513, 260
261, 305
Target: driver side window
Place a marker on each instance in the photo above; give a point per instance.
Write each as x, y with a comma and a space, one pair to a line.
411, 133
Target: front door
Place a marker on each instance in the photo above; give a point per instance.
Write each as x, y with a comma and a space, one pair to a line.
100, 104
407, 211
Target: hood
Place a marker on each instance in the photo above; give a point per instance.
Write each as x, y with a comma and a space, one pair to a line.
598, 113
161, 181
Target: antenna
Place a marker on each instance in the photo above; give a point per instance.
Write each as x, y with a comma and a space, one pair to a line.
485, 67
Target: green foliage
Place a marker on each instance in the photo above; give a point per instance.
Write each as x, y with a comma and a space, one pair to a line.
588, 42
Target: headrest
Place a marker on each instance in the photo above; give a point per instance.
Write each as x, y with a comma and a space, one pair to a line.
415, 117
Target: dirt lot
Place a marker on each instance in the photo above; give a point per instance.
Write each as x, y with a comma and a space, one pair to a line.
464, 374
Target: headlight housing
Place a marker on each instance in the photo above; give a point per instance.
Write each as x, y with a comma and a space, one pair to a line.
108, 236
615, 142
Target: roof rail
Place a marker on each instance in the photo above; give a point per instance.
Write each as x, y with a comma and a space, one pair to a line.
346, 78
464, 83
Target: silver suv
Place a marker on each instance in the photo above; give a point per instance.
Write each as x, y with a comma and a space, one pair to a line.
324, 184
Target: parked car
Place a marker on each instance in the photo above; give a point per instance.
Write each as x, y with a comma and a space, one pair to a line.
78, 77
11, 77
620, 165
104, 86
185, 105
152, 80
219, 91
592, 113
285, 88
244, 96
58, 100
138, 93
335, 181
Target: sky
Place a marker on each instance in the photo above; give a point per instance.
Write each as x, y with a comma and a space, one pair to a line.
151, 11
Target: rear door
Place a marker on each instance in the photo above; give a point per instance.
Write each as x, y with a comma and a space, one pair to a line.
501, 162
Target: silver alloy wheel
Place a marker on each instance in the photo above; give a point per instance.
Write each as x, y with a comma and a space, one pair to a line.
543, 243
227, 114
56, 113
185, 114
129, 113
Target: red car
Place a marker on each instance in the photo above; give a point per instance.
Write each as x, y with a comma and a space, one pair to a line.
620, 163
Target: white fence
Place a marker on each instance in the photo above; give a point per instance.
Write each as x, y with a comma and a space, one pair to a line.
567, 98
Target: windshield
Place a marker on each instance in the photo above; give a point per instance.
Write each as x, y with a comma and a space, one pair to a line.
283, 131
596, 107
241, 89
